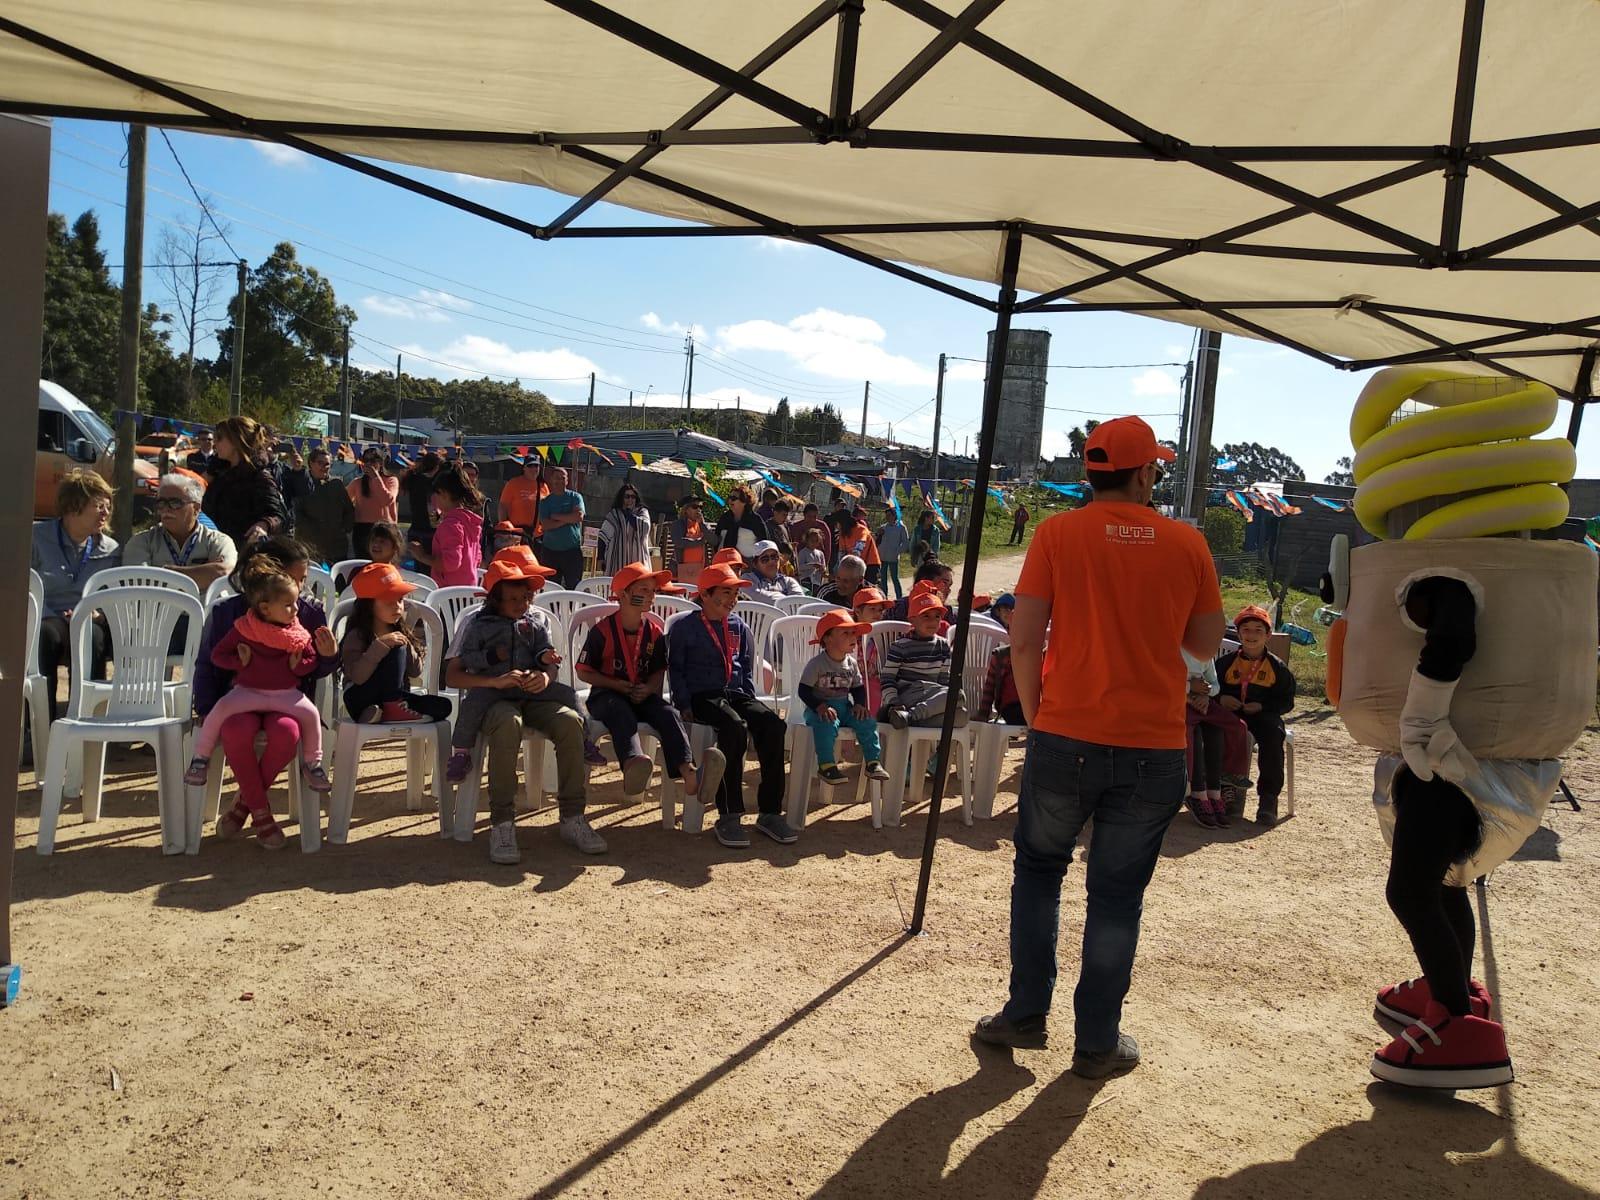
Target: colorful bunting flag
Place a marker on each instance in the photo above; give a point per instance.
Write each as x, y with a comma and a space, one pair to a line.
1336, 505
1239, 502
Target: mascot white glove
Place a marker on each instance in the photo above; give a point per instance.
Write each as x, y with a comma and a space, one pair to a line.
1427, 740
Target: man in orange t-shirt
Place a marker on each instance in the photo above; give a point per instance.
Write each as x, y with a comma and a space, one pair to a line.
1120, 588
519, 499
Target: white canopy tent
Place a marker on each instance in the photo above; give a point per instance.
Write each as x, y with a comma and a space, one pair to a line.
1366, 182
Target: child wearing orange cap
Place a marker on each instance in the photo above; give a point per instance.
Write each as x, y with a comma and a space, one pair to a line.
916, 668
869, 605
1260, 688
834, 691
379, 653
624, 662
711, 664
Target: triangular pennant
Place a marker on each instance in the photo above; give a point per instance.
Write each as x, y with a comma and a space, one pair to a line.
557, 451
544, 451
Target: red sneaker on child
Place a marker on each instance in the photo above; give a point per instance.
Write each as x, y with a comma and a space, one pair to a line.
398, 712
1408, 1000
1443, 1051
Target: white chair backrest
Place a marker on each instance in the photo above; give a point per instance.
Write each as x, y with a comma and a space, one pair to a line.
981, 642
596, 585
885, 632
219, 591
791, 605
759, 617
424, 583
564, 604
979, 621
816, 606
667, 607
433, 641
36, 594
140, 621
344, 570
319, 587
791, 641
583, 620
112, 577
339, 615
451, 602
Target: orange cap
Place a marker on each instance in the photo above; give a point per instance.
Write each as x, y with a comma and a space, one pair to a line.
720, 575
728, 555
506, 570
1254, 612
922, 602
632, 574
867, 595
1120, 444
839, 618
524, 557
381, 581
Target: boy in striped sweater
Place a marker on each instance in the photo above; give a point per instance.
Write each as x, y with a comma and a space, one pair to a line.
916, 669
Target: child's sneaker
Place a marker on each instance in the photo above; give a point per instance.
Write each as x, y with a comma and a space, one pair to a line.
316, 777
1201, 811
1442, 1051
1219, 811
398, 712
580, 835
230, 824
875, 771
730, 832
900, 718
592, 755
636, 775
776, 828
460, 763
831, 775
1408, 1000
503, 844
370, 715
271, 838
199, 768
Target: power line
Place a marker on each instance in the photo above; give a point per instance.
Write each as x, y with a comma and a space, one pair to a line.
198, 198
1081, 366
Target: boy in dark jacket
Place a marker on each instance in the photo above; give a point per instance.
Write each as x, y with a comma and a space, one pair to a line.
1259, 686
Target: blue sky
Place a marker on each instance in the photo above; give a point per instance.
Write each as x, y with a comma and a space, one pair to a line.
771, 318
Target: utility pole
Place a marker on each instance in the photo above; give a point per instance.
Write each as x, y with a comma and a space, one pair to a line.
938, 416
630, 397
738, 413
236, 382
344, 387
1201, 411
397, 397
591, 399
866, 394
688, 387
128, 358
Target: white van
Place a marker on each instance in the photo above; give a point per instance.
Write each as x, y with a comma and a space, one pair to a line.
71, 434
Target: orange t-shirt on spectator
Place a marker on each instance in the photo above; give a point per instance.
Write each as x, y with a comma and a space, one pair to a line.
1122, 582
858, 540
519, 501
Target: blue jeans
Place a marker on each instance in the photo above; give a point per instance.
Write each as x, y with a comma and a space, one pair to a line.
825, 733
891, 575
1132, 796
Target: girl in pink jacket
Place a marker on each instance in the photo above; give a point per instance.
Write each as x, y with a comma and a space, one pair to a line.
458, 537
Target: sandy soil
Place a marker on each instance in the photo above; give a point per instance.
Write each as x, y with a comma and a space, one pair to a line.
397, 1017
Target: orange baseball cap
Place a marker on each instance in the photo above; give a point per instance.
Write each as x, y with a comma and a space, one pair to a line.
1120, 444
720, 575
839, 618
867, 595
632, 574
927, 587
381, 581
525, 558
1253, 612
922, 602
507, 570
728, 555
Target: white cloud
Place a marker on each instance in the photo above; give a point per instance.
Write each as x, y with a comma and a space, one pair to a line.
963, 371
479, 179
481, 355
1157, 381
782, 246
729, 397
283, 156
405, 310
825, 342
651, 321
444, 300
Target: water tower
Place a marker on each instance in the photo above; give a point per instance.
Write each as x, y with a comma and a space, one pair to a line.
1022, 388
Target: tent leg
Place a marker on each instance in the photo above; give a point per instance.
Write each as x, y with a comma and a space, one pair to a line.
25, 149
1582, 394
1012, 256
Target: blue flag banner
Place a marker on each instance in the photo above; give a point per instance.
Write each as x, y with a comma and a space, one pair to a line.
1065, 489
938, 513
1336, 505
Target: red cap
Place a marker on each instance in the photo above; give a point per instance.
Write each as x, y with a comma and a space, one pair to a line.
1120, 444
839, 618
720, 575
922, 602
381, 581
632, 574
1254, 612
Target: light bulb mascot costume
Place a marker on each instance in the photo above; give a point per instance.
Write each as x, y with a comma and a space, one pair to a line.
1466, 656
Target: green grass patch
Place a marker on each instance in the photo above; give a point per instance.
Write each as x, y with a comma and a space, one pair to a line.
1309, 663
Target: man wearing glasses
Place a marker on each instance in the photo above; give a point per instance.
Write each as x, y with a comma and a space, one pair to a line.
1120, 588
767, 580
178, 541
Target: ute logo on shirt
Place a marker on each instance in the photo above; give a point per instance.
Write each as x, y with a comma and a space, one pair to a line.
1130, 534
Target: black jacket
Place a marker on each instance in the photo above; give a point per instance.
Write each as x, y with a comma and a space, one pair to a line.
728, 527
242, 496
324, 518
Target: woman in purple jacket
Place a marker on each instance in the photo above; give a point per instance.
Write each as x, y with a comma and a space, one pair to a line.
255, 774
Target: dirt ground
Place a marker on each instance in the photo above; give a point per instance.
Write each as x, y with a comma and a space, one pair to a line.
397, 1017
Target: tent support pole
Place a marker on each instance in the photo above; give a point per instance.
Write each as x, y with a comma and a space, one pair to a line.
1011, 259
25, 149
1455, 174
1582, 396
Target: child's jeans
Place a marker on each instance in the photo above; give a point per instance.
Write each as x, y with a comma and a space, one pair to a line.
825, 730
622, 716
292, 702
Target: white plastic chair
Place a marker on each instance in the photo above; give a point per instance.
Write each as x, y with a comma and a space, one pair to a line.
791, 606
319, 587
351, 736
760, 616
344, 570
212, 800
979, 621
596, 585
141, 621
815, 607
220, 589
989, 738
112, 577
424, 583
666, 607
899, 744
450, 603
561, 605
35, 687
701, 739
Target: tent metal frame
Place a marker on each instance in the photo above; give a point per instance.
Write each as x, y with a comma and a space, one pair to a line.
857, 126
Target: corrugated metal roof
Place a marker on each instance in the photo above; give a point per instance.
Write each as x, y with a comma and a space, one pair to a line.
677, 444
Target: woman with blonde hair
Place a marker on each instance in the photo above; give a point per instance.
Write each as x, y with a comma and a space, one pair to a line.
243, 500
66, 552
